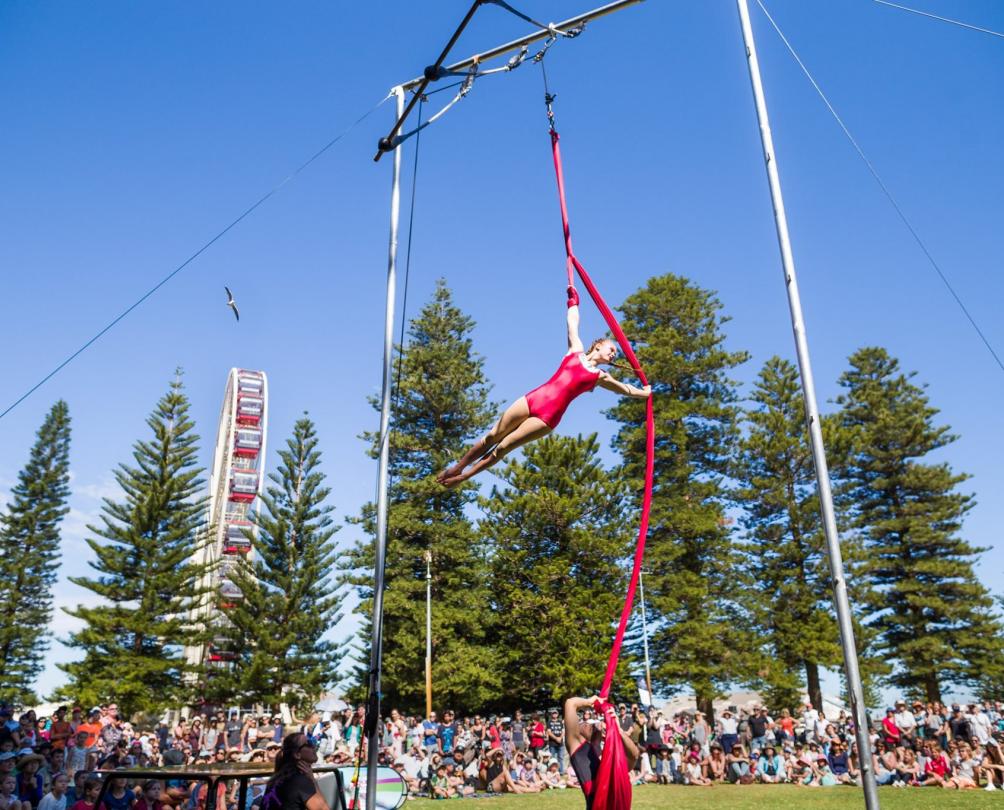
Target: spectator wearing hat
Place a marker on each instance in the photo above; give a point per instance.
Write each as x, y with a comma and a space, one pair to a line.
664, 766
905, 721
29, 780
980, 726
771, 768
958, 725
737, 766
728, 730
890, 729
693, 772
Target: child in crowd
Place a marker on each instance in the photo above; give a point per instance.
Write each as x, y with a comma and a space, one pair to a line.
150, 800
439, 785
664, 767
117, 797
55, 799
693, 772
89, 795
553, 779
8, 797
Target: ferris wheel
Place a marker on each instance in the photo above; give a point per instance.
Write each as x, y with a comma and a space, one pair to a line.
234, 484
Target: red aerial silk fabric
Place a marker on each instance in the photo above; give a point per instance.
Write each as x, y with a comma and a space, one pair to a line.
613, 791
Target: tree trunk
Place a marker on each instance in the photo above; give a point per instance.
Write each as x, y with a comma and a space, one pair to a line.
812, 685
931, 690
706, 707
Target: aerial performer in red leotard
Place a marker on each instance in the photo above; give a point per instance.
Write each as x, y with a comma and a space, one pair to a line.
535, 415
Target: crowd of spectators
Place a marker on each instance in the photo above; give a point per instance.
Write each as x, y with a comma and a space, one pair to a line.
46, 763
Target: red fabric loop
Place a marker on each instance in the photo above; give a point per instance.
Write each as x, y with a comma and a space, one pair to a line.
613, 791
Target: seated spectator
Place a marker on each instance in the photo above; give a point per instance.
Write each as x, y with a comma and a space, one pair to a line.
839, 762
823, 775
150, 800
965, 776
906, 770
8, 793
992, 764
771, 768
553, 780
455, 779
439, 786
55, 799
29, 780
496, 775
527, 775
737, 764
715, 764
118, 797
664, 766
937, 768
693, 773
88, 795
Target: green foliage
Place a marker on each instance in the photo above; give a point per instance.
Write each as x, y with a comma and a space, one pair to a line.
559, 535
934, 618
133, 641
441, 405
29, 547
698, 636
289, 600
788, 579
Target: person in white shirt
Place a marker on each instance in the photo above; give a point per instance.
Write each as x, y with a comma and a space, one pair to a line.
820, 729
904, 719
809, 721
55, 799
980, 724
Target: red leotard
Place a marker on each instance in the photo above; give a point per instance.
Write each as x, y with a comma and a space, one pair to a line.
549, 401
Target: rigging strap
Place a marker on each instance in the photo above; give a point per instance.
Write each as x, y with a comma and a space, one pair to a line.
614, 786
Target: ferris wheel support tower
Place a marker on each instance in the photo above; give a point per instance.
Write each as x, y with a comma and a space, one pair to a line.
234, 484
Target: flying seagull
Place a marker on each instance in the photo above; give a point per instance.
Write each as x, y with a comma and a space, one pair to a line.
231, 303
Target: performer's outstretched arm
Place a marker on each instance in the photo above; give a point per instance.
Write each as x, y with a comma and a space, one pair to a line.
574, 341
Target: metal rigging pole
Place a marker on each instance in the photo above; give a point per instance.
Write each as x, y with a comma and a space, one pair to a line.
840, 600
391, 143
376, 641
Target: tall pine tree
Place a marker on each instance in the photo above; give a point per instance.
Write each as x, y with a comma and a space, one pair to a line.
290, 601
441, 405
934, 618
691, 582
29, 548
559, 536
133, 641
788, 592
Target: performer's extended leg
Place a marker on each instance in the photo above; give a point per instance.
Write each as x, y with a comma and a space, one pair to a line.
529, 429
511, 418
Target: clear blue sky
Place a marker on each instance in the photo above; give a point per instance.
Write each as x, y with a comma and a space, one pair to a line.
133, 132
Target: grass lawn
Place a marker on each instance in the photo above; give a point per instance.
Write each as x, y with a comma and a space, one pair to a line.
746, 797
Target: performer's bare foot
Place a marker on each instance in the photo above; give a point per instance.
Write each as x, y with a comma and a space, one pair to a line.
450, 472
452, 481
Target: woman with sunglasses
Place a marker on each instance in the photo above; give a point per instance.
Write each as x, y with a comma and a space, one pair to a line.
292, 786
